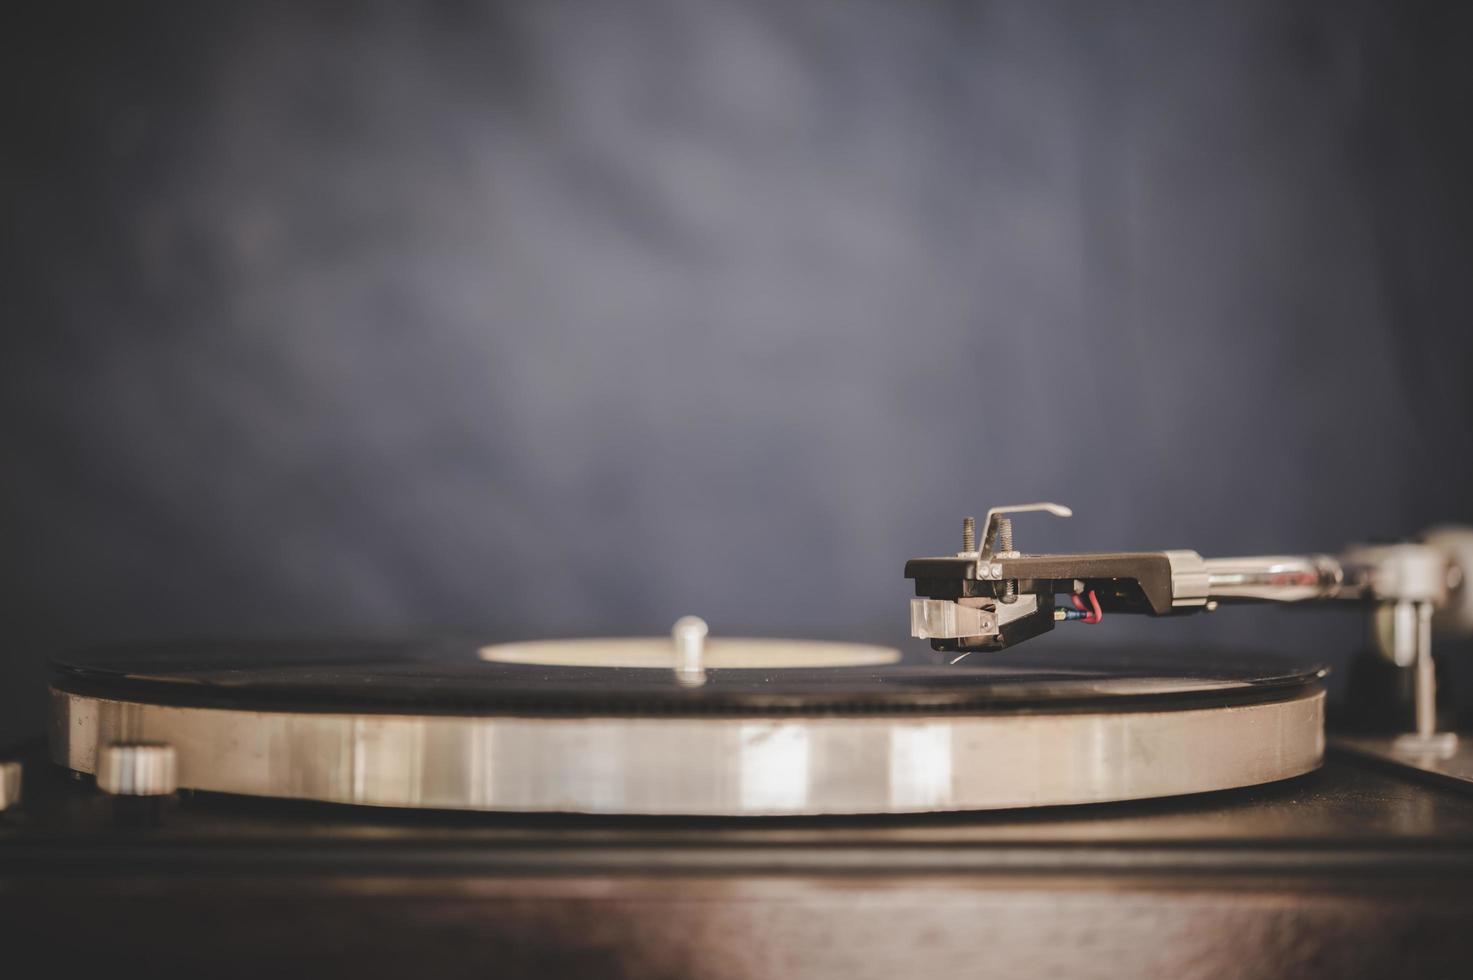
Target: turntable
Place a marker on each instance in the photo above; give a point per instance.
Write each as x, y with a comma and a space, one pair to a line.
693, 804
543, 727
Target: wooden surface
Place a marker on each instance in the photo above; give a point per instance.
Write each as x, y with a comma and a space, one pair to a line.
1353, 871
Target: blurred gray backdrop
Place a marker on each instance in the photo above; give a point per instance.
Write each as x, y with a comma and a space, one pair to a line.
550, 318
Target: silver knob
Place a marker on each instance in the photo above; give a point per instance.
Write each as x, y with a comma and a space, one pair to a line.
9, 784
689, 634
137, 769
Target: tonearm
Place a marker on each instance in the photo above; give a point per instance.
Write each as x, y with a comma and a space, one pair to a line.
993, 596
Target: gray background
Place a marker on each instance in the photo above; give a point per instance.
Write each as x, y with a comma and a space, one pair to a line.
554, 318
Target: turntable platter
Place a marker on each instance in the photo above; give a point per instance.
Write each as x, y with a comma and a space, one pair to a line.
777, 727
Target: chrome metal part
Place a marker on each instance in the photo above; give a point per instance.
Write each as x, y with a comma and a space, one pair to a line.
1456, 544
712, 765
136, 768
1397, 573
1005, 550
1004, 537
1394, 627
1273, 578
1433, 745
689, 634
1384, 573
1020, 608
969, 536
1426, 680
1416, 631
943, 619
10, 784
993, 514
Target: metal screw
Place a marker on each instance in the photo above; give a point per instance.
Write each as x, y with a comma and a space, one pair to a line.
1005, 545
969, 535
